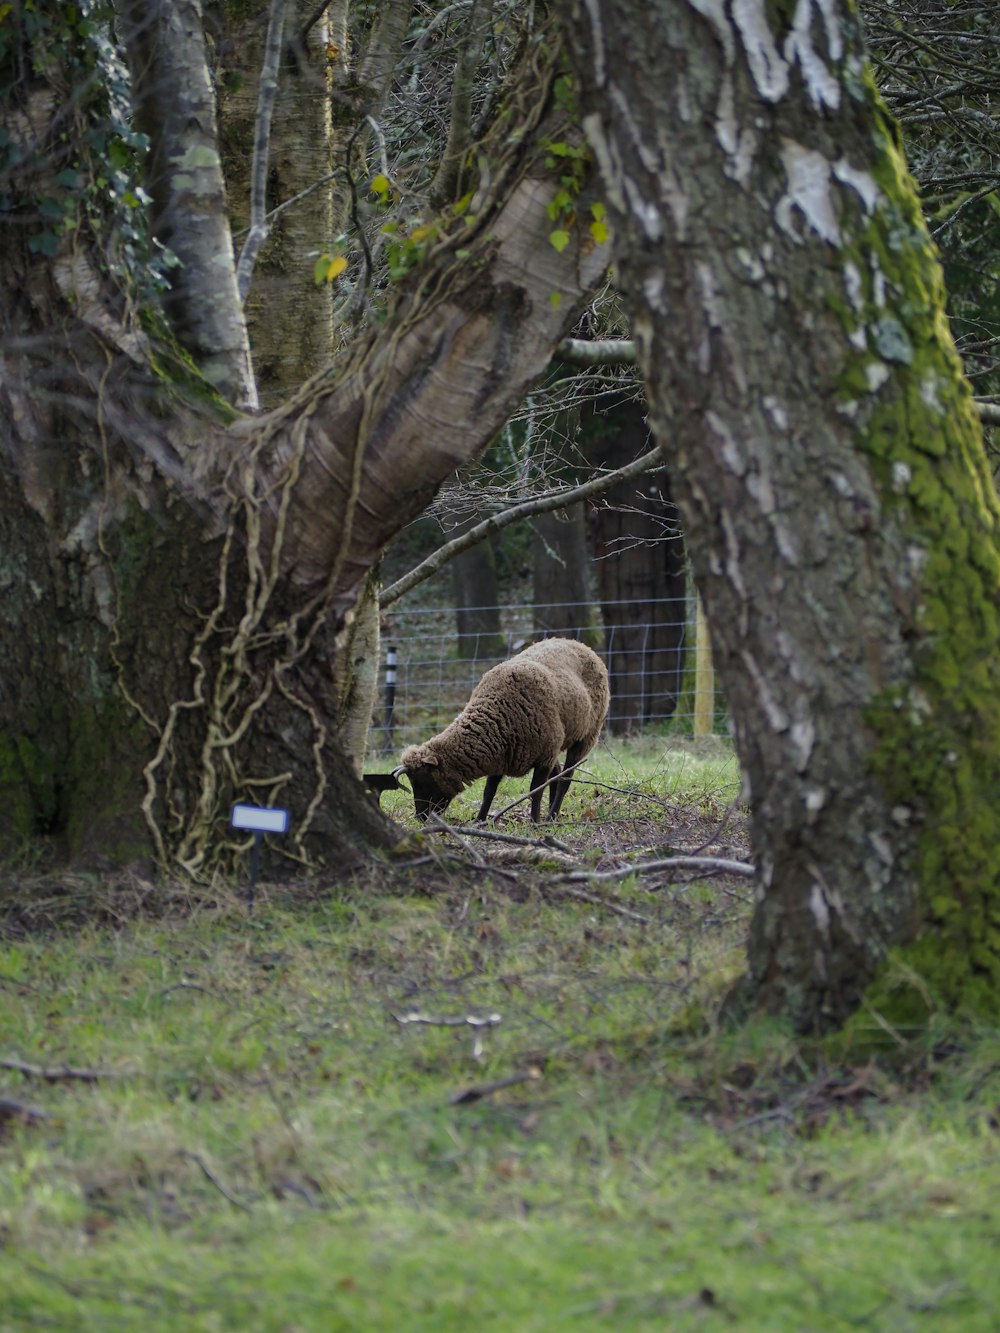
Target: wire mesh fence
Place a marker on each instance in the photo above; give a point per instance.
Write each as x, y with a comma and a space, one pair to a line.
657, 654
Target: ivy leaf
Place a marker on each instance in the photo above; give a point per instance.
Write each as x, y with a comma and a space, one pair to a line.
380, 185
555, 300
599, 231
598, 211
559, 239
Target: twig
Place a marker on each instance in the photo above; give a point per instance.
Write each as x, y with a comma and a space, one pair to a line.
477, 860
542, 844
519, 800
56, 1073
582, 896
211, 1176
481, 1090
11, 1109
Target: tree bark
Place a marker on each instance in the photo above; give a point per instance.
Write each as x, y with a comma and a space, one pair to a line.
476, 601
564, 604
787, 310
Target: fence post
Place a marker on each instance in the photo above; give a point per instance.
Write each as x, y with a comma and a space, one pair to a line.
390, 693
704, 676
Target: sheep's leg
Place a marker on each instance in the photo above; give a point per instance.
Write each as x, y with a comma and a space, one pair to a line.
560, 785
489, 791
539, 780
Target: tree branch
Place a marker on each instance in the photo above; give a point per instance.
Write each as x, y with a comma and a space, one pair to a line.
599, 352
542, 504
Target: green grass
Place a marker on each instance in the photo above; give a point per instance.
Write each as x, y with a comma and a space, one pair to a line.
271, 1148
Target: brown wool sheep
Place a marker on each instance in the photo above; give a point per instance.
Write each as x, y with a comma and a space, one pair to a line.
523, 714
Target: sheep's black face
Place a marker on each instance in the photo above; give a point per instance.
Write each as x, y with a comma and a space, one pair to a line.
428, 798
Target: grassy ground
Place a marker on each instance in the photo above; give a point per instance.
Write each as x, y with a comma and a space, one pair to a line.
467, 1097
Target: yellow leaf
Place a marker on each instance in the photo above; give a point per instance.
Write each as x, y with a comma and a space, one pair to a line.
335, 267
380, 184
599, 231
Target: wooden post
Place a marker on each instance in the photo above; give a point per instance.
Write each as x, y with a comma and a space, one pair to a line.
704, 676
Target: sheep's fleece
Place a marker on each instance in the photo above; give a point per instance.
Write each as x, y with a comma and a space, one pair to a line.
523, 714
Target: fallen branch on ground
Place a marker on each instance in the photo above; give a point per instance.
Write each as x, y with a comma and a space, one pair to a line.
56, 1073
709, 865
11, 1109
491, 1020
481, 1090
210, 1175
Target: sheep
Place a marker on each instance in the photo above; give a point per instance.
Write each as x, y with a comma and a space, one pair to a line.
551, 697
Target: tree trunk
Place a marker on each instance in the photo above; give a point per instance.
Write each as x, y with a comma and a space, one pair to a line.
189, 580
842, 523
564, 604
476, 600
640, 564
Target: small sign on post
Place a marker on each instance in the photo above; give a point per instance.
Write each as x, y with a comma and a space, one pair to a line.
260, 820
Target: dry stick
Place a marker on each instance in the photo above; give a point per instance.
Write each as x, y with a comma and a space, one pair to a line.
476, 1093
540, 505
211, 1176
470, 1020
11, 1109
56, 1073
548, 843
714, 865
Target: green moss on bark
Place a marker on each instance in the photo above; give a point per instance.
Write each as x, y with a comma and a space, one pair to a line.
937, 738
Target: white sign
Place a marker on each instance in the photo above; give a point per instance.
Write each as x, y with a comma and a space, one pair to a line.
259, 818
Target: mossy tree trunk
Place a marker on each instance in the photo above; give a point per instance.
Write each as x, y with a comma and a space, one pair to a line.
185, 574
841, 519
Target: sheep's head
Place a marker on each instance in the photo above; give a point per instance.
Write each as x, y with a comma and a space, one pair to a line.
431, 790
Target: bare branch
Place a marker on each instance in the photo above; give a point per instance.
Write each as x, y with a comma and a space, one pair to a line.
542, 504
